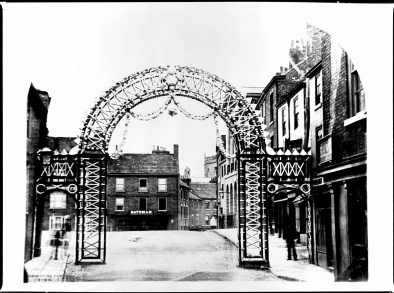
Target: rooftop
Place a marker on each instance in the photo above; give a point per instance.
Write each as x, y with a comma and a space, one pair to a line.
150, 164
204, 190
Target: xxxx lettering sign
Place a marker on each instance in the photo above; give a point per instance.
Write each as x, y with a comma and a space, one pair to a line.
285, 168
60, 168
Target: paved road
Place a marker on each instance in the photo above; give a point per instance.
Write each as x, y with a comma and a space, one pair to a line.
167, 256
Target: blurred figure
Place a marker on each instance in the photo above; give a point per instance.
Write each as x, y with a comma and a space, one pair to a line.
65, 234
56, 242
291, 234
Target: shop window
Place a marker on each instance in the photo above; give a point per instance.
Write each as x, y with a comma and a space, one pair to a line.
143, 184
56, 222
142, 204
58, 200
120, 184
162, 204
296, 113
162, 184
119, 204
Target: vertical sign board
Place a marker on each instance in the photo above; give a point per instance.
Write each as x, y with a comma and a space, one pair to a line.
253, 215
91, 210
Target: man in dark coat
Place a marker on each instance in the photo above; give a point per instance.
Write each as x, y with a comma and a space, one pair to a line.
291, 234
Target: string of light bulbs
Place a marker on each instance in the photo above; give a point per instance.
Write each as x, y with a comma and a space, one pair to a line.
146, 117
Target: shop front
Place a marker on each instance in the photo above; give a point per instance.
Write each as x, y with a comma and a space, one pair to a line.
140, 221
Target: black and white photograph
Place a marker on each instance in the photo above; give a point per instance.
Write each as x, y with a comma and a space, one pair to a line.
197, 146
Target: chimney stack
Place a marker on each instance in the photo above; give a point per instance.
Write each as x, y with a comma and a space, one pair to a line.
176, 151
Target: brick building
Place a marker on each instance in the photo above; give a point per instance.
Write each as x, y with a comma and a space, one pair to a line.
36, 138
207, 193
340, 163
319, 104
143, 191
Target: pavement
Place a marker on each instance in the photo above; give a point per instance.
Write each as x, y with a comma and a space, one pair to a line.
289, 270
48, 269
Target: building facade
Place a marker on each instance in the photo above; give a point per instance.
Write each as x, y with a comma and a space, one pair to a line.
59, 205
227, 184
184, 203
208, 211
319, 105
210, 167
36, 138
143, 191
340, 163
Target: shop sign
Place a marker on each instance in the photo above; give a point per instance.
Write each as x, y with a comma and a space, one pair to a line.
140, 212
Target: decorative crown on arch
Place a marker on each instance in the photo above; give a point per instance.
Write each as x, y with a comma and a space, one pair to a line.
244, 124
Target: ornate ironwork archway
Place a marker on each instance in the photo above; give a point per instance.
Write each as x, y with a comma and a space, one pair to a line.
177, 82
258, 165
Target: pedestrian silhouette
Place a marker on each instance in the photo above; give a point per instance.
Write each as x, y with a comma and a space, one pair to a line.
291, 234
57, 243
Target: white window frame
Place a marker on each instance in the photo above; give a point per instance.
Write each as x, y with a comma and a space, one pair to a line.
58, 200
158, 204
119, 184
118, 204
141, 188
162, 187
54, 225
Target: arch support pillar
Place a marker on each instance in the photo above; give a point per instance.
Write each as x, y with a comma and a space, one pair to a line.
253, 221
91, 209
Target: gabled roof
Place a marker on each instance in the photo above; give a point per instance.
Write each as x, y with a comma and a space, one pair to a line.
204, 190
149, 164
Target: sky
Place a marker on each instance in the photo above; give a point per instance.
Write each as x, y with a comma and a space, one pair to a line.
76, 52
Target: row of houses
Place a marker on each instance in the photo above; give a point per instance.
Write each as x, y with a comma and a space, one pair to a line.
144, 192
317, 104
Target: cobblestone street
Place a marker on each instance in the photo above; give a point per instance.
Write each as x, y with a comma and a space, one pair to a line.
166, 256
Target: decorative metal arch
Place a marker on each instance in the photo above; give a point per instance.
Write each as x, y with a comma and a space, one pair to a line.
178, 81
244, 123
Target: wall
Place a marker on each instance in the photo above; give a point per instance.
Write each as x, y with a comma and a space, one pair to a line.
36, 138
